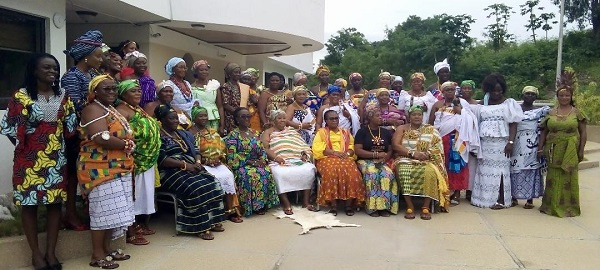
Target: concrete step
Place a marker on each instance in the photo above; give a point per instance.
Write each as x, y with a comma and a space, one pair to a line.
592, 147
71, 245
589, 164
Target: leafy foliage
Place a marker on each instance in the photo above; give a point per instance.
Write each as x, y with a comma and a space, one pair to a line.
497, 32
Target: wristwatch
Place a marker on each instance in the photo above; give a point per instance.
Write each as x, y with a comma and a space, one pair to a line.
511, 142
105, 135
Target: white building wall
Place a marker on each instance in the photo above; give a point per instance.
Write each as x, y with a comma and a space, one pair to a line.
55, 44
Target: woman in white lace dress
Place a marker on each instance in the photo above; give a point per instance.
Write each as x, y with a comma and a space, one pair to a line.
498, 119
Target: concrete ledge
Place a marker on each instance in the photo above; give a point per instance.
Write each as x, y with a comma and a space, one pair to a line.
588, 164
71, 245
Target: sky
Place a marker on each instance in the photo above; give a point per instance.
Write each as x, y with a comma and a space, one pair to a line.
372, 17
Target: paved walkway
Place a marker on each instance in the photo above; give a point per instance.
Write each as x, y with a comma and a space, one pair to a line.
466, 238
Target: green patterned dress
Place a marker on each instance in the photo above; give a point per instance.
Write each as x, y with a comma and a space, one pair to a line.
146, 132
561, 196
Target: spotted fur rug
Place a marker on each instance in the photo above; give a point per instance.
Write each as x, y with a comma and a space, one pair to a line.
311, 220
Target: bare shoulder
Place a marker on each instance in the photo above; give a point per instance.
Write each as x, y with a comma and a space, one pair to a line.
91, 112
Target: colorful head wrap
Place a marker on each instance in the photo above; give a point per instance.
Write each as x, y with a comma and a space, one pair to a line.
448, 84
468, 82
417, 75
385, 74
438, 66
229, 68
196, 110
85, 45
94, 83
322, 69
371, 111
398, 79
253, 71
163, 110
134, 56
246, 74
299, 89
298, 76
162, 86
354, 75
171, 64
333, 89
530, 89
415, 108
126, 85
275, 114
341, 82
199, 63
381, 91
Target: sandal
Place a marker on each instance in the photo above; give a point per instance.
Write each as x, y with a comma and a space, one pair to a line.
384, 213
206, 235
454, 202
497, 206
528, 205
349, 211
333, 212
137, 240
261, 212
106, 263
288, 211
425, 215
374, 214
409, 214
235, 218
145, 230
118, 255
217, 228
311, 208
514, 203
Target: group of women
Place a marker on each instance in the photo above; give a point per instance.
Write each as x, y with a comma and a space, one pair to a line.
234, 149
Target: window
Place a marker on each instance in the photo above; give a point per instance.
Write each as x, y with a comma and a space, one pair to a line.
21, 36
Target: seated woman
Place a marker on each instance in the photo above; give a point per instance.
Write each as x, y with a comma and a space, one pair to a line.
333, 148
181, 172
420, 168
290, 164
248, 161
212, 150
164, 94
373, 148
391, 116
299, 116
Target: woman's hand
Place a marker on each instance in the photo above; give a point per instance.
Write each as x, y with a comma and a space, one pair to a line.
422, 156
580, 154
457, 109
259, 163
345, 112
222, 130
508, 150
306, 126
279, 160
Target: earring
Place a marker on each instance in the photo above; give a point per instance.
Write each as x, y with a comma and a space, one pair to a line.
53, 83
85, 60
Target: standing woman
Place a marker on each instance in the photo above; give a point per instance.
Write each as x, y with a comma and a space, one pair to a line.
498, 119
319, 92
563, 142
205, 91
176, 68
356, 93
104, 170
164, 95
300, 117
272, 100
417, 96
467, 90
87, 53
232, 95
385, 79
391, 116
248, 160
38, 119
212, 150
146, 133
248, 78
373, 146
139, 63
526, 168
111, 63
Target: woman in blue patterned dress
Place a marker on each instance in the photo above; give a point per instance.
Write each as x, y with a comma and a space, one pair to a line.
248, 161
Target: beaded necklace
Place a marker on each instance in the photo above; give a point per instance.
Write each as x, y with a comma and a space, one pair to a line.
377, 140
110, 109
177, 140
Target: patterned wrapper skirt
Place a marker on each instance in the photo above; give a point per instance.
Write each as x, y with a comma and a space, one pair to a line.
381, 186
418, 179
340, 180
458, 171
111, 206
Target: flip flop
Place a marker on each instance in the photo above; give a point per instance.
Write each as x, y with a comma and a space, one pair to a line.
528, 206
311, 208
118, 255
333, 212
206, 235
217, 228
497, 206
425, 215
288, 211
106, 263
409, 214
349, 211
384, 213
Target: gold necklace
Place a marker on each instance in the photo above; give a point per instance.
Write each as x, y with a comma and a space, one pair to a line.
376, 139
564, 116
178, 140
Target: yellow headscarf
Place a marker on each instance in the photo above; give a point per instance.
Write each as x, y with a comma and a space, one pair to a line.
94, 83
381, 91
530, 89
341, 81
322, 69
417, 75
299, 89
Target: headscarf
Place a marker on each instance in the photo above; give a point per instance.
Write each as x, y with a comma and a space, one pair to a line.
298, 76
438, 66
198, 63
417, 75
229, 68
196, 110
246, 74
354, 75
385, 74
468, 82
275, 114
163, 110
94, 83
415, 108
341, 81
398, 79
371, 110
171, 64
85, 45
126, 85
447, 84
253, 71
161, 86
530, 89
382, 90
134, 56
299, 89
333, 89
322, 69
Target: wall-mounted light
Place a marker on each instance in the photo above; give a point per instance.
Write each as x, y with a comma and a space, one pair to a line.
86, 15
278, 54
306, 45
198, 25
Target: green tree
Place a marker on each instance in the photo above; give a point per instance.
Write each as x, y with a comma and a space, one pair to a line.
497, 32
339, 43
534, 22
547, 22
582, 12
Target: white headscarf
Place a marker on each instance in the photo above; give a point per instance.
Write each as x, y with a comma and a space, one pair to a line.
444, 64
398, 79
